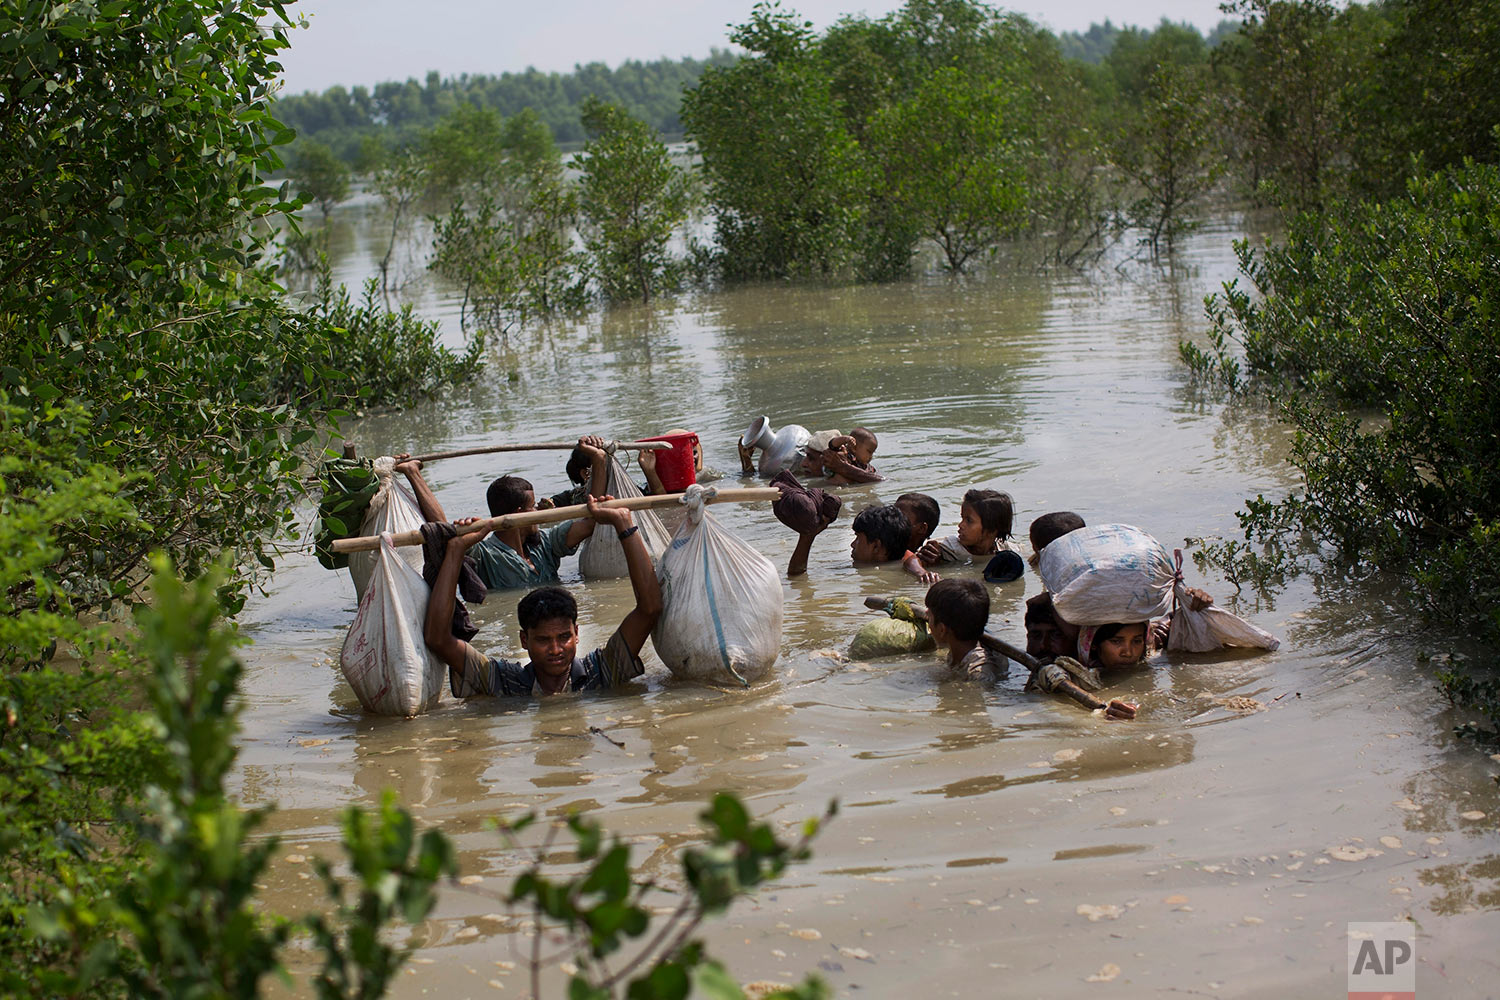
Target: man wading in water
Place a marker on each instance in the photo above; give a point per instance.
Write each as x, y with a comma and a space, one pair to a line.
549, 626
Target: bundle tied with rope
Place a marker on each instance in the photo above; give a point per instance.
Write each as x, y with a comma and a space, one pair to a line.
1118, 573
722, 604
603, 556
392, 510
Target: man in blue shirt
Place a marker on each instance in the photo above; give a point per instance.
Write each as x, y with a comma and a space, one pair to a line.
516, 557
549, 626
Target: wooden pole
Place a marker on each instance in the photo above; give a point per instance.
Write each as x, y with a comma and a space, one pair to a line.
367, 543
540, 446
988, 641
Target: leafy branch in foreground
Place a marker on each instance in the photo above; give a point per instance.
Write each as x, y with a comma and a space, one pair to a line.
601, 920
178, 914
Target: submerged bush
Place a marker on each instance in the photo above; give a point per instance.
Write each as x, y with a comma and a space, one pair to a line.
1373, 333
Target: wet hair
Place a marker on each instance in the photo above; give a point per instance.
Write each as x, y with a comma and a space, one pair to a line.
885, 525
507, 495
578, 463
865, 436
924, 507
994, 509
962, 606
1050, 527
1039, 610
545, 604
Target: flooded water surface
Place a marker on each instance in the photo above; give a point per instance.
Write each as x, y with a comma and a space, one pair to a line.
989, 842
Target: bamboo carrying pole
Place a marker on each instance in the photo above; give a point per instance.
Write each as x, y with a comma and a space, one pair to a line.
1022, 657
367, 543
540, 446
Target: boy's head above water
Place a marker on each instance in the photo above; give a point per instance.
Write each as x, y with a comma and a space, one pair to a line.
958, 610
924, 514
880, 534
1049, 528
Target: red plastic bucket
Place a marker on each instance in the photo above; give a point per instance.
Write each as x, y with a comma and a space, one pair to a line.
676, 468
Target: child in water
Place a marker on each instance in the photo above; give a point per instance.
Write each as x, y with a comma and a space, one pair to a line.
848, 457
957, 612
983, 530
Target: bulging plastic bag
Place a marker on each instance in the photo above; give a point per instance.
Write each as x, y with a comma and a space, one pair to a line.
603, 557
393, 509
889, 637
1213, 628
1117, 573
722, 609
1108, 573
385, 658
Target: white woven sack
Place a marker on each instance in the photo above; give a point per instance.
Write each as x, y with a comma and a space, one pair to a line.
722, 608
603, 557
393, 509
385, 658
1213, 628
1109, 573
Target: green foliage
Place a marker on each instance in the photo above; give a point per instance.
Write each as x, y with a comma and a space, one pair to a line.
945, 120
631, 199
400, 183
1170, 152
1241, 563
70, 760
136, 139
319, 176
169, 909
1373, 333
1468, 692
953, 161
127, 172
1288, 70
1432, 90
606, 914
783, 173
369, 354
397, 871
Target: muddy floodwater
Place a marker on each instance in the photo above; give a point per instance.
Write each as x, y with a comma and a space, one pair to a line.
989, 842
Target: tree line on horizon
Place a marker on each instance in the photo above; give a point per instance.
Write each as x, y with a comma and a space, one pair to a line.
349, 118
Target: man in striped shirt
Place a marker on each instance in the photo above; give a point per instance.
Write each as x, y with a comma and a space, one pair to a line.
549, 627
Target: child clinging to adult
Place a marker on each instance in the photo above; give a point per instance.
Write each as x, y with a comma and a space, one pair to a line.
957, 613
847, 458
983, 530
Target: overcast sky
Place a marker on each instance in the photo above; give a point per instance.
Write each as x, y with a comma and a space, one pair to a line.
354, 42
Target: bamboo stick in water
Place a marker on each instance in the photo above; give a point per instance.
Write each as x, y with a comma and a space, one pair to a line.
367, 543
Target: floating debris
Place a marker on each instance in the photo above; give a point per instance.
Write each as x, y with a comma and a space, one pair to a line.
1108, 972
1108, 911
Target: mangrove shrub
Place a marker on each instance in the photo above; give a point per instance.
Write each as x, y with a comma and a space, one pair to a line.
1373, 331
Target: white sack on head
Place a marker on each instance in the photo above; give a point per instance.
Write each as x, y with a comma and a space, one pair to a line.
1108, 573
721, 602
603, 557
1213, 628
385, 659
393, 508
